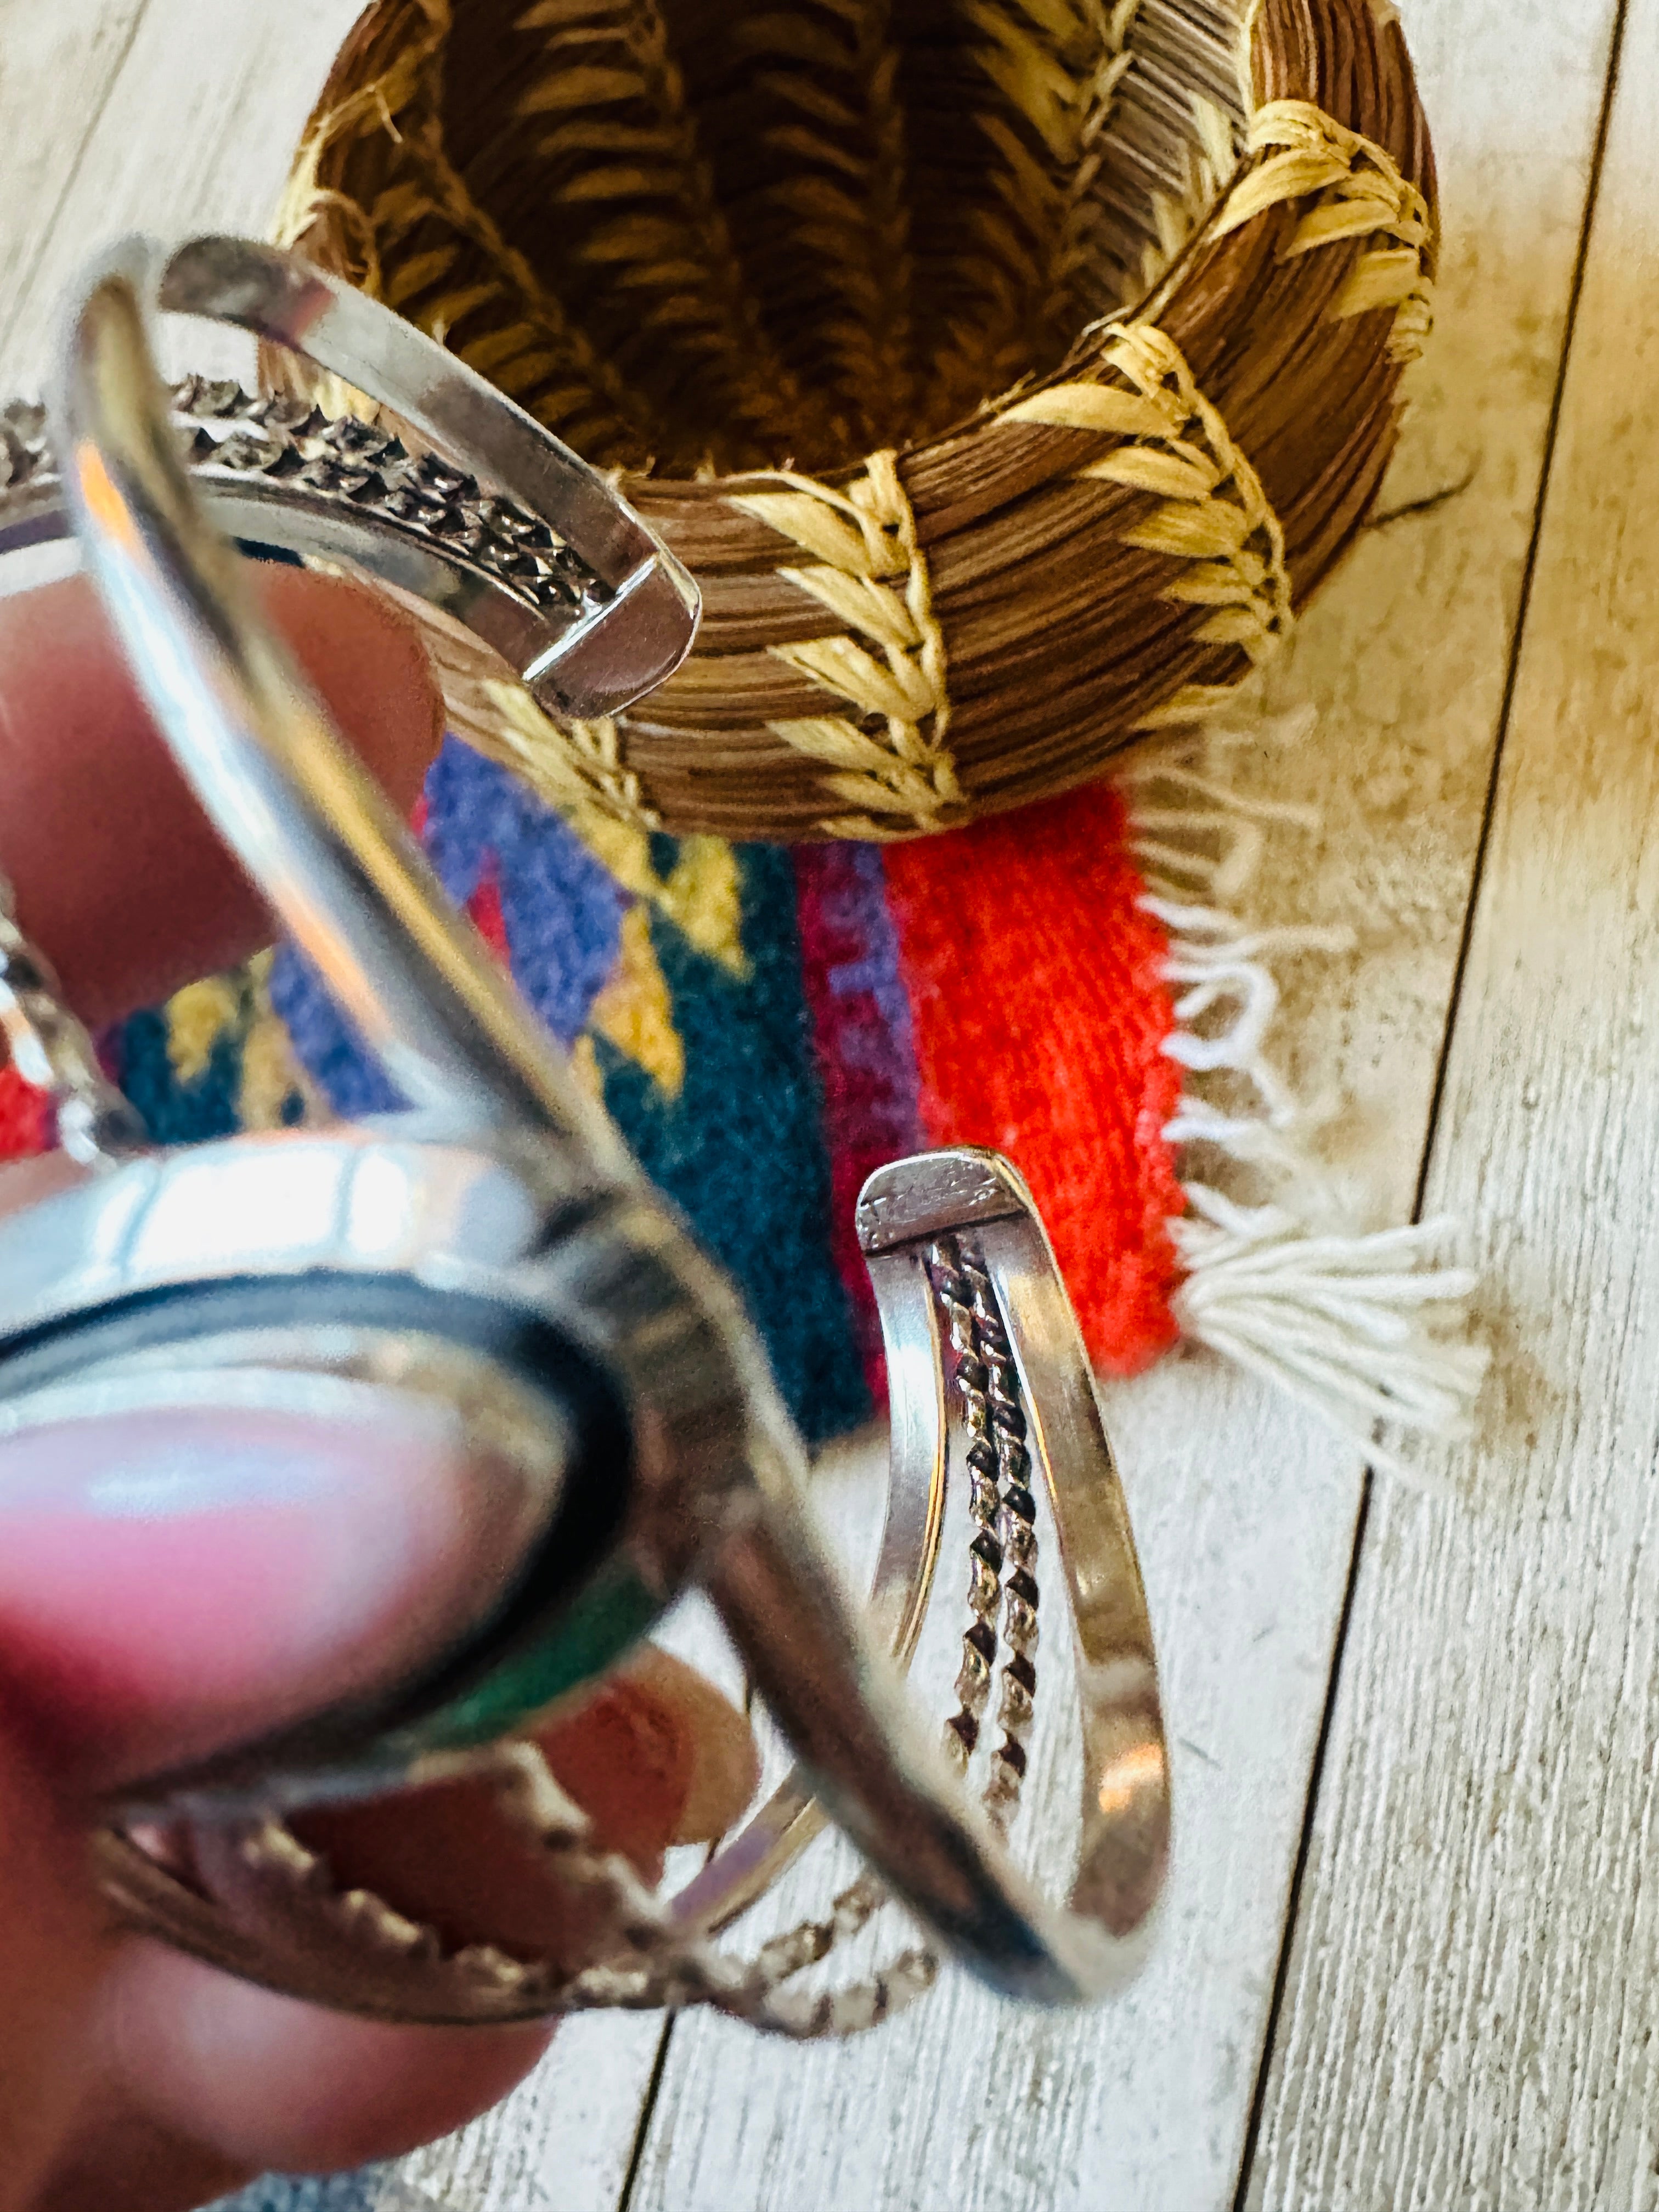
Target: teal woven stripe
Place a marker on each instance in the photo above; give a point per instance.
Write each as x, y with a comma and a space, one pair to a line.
742, 1150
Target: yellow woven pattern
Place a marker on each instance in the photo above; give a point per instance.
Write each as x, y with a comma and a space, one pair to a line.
1112, 26
371, 107
702, 894
231, 1010
889, 661
272, 1077
1179, 215
831, 67
197, 1017
634, 1011
1212, 513
1357, 192
465, 286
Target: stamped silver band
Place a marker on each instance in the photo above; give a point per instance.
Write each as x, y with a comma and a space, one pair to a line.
557, 574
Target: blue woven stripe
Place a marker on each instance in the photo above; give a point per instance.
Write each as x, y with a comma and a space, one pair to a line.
741, 1149
563, 913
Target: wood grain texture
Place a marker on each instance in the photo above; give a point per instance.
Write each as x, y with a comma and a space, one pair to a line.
1404, 657
1245, 1519
1470, 2012
57, 68
187, 110
1491, 1765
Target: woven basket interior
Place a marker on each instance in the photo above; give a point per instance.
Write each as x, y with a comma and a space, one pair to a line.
794, 231
890, 245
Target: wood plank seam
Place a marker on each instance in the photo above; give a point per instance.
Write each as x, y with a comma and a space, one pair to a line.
1304, 1844
1523, 601
1453, 1006
647, 2110
95, 119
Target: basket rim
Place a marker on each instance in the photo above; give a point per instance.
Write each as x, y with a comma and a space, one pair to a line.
1315, 259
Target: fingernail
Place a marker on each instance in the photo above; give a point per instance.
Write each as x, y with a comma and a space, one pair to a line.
723, 1767
173, 1580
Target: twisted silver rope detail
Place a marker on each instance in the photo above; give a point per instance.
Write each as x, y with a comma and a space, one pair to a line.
652, 1963
1003, 1513
229, 435
50, 1048
1003, 1551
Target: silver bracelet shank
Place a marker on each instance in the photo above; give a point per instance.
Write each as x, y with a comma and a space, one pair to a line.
713, 1496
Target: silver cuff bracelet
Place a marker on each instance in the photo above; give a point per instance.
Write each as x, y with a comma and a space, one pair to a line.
497, 1246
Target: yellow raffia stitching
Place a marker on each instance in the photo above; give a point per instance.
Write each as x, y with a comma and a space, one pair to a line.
535, 354
1170, 440
834, 65
373, 106
1031, 55
613, 99
1357, 192
1095, 101
873, 575
534, 342
1056, 65
578, 767
1206, 166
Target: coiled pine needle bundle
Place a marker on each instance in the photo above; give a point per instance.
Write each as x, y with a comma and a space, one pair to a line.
1008, 371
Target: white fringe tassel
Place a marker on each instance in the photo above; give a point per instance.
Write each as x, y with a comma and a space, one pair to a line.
1346, 1324
1364, 1328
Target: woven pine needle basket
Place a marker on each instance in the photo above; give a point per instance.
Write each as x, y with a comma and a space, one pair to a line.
1008, 371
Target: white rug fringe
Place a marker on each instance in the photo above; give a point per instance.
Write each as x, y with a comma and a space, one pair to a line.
1363, 1327
1354, 1326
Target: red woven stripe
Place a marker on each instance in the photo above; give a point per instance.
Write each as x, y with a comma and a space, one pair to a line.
25, 1117
1036, 987
485, 907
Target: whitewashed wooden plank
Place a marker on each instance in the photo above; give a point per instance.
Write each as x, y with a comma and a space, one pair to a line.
1404, 655
195, 130
57, 68
1469, 2012
1246, 1516
561, 2142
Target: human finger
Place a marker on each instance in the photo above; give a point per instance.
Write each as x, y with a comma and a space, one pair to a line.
118, 874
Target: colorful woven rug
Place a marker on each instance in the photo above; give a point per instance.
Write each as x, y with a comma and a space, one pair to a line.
767, 1025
